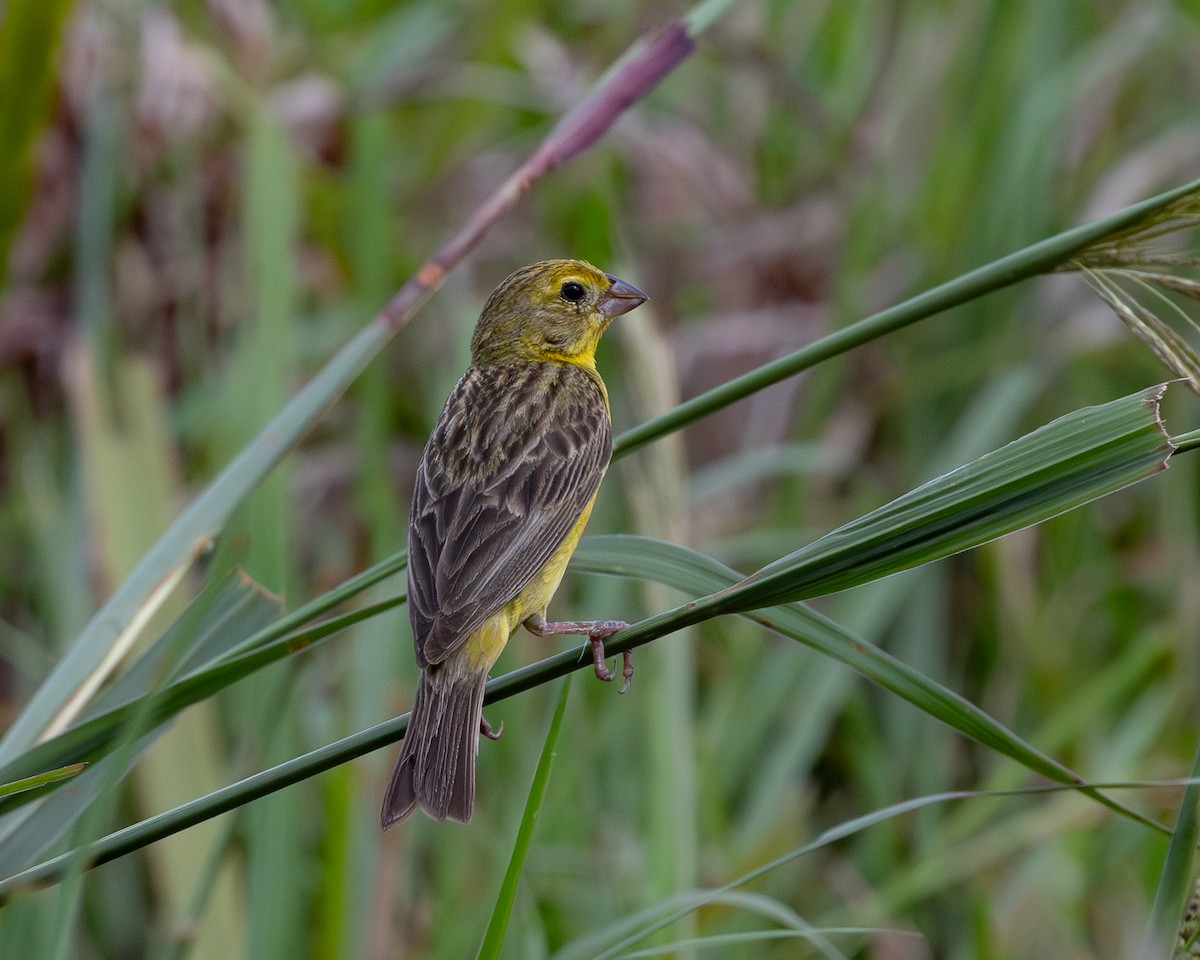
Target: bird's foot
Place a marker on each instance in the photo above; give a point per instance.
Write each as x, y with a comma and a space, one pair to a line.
597, 631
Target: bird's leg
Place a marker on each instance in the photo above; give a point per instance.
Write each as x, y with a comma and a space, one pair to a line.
596, 631
486, 729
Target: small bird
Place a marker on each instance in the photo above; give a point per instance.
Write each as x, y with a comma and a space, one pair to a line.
503, 491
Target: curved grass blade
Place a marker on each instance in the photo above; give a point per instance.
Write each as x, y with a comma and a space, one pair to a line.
1042, 257
834, 834
206, 667
199, 522
236, 795
840, 832
636, 557
749, 937
753, 905
683, 569
493, 937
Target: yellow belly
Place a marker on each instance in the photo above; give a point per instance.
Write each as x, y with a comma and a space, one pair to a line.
483, 647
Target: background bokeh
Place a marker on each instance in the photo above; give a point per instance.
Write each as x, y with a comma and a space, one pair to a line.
200, 201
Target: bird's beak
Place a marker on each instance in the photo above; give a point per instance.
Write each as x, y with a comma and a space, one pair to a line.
620, 298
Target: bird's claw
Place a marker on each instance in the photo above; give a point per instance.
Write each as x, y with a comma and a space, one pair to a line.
626, 670
486, 729
596, 639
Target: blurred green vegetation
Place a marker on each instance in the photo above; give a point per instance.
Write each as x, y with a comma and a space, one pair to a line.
215, 195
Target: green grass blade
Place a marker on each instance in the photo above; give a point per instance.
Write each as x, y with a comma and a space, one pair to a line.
29, 37
832, 835
1101, 449
41, 779
1062, 465
1176, 878
230, 607
1038, 258
94, 737
1187, 441
493, 937
687, 570
680, 906
637, 558
199, 522
590, 945
223, 613
209, 666
236, 795
40, 827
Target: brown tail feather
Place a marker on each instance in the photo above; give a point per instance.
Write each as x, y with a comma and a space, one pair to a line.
436, 770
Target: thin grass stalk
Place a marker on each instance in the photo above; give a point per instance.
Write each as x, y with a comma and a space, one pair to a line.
1185, 442
700, 899
493, 937
41, 779
1041, 257
657, 489
832, 835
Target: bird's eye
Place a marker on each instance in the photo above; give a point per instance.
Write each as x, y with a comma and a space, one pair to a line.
572, 291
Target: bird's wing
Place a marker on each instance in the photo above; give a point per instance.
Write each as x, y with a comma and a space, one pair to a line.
516, 457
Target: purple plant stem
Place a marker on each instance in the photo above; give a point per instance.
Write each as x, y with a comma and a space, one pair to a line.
578, 129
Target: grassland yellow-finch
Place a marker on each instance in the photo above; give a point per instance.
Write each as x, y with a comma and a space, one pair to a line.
502, 494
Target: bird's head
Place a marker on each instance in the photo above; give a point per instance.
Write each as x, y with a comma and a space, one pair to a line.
552, 310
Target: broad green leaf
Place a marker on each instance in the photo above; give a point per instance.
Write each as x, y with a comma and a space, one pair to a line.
640, 557
1063, 465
